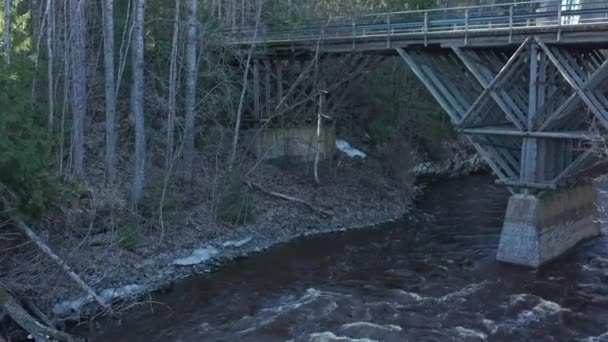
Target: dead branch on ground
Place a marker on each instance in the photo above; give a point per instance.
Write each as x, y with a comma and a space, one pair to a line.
311, 206
39, 331
64, 266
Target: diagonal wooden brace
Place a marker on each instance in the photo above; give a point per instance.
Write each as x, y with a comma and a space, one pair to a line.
585, 94
599, 75
490, 87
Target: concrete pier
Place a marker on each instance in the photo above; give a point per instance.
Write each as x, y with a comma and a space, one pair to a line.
539, 229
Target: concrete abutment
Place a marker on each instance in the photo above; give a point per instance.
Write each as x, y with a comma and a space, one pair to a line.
537, 229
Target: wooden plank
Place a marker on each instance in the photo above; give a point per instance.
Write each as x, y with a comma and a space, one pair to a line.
532, 87
489, 87
571, 169
443, 88
531, 185
494, 130
541, 86
488, 159
454, 116
511, 169
529, 160
599, 112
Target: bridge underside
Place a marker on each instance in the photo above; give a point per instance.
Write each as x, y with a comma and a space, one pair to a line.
537, 115
533, 113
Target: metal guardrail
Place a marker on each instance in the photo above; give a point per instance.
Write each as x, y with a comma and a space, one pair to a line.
504, 17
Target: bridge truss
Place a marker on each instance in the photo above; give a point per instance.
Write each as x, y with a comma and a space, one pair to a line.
533, 113
526, 82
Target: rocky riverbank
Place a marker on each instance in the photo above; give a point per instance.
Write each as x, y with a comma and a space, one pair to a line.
354, 194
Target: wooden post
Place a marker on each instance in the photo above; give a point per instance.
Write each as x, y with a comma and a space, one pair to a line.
354, 29
533, 87
425, 28
388, 31
279, 66
466, 27
511, 24
256, 89
559, 20
268, 106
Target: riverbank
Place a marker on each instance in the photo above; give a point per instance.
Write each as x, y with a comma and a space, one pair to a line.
354, 194
383, 285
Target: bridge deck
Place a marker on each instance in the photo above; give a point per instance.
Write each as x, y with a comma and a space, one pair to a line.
481, 26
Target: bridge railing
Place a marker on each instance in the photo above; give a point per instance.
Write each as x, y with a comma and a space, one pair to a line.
508, 17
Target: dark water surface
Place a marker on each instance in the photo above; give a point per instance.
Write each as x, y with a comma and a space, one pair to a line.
433, 280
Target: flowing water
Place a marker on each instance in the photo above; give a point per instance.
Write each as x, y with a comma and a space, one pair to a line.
426, 280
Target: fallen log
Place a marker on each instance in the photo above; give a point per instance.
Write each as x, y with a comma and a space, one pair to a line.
37, 313
324, 212
39, 331
64, 266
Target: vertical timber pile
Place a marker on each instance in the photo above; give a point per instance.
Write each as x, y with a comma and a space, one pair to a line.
533, 113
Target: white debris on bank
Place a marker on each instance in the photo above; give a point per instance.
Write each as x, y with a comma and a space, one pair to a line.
470, 333
198, 256
236, 243
350, 151
331, 337
107, 295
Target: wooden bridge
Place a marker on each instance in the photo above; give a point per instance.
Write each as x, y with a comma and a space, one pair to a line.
525, 81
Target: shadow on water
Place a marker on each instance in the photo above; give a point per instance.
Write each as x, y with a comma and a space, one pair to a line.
424, 279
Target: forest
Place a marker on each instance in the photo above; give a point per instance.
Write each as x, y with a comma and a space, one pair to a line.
124, 135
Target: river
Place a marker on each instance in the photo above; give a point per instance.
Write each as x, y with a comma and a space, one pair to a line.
429, 279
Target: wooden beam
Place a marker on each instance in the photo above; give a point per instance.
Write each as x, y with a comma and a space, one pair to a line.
530, 185
529, 160
454, 116
532, 87
591, 103
268, 106
489, 87
256, 90
571, 169
595, 79
279, 72
495, 130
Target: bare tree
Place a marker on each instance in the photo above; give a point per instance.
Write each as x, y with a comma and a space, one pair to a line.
50, 34
239, 111
110, 88
172, 89
190, 89
79, 84
137, 101
8, 6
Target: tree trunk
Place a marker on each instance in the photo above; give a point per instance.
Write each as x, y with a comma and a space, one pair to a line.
172, 89
190, 100
64, 266
137, 101
38, 331
8, 6
110, 88
239, 111
79, 84
36, 18
50, 34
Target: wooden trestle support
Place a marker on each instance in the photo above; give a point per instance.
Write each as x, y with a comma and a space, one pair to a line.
287, 89
531, 112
